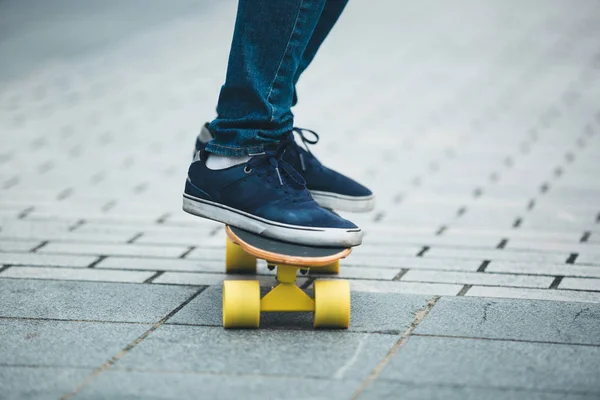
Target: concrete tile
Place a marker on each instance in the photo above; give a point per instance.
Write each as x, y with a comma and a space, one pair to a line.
133, 384
533, 320
404, 287
534, 294
348, 272
371, 312
537, 268
588, 258
114, 249
580, 284
76, 274
89, 300
443, 252
10, 245
46, 259
64, 343
381, 389
422, 263
310, 353
161, 264
477, 278
39, 382
496, 364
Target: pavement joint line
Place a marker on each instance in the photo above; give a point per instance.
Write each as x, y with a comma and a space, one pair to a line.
571, 259
308, 282
419, 317
135, 237
23, 214
517, 223
499, 388
378, 216
556, 282
213, 232
153, 277
400, 274
39, 246
483, 265
64, 194
505, 339
130, 346
163, 218
188, 251
91, 321
585, 237
441, 230
351, 279
422, 252
108, 206
76, 225
463, 290
96, 262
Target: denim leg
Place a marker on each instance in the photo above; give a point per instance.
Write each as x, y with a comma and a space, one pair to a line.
331, 13
269, 40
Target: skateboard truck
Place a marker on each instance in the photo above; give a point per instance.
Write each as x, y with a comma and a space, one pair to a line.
242, 302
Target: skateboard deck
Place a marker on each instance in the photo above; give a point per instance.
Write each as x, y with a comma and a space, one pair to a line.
242, 302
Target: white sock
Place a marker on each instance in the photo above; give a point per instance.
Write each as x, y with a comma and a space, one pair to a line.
215, 161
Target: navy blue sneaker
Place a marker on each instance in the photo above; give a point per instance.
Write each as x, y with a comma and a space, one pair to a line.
329, 188
266, 196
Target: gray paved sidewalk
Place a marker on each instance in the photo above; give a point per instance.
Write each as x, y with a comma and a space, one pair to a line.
476, 123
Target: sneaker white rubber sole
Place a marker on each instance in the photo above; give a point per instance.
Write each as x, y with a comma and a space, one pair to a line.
340, 202
312, 236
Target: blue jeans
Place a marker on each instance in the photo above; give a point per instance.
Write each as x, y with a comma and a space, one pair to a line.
273, 43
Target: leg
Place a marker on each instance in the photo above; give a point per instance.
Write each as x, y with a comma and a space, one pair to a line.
331, 13
269, 40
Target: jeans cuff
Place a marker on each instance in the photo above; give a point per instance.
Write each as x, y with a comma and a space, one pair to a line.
234, 151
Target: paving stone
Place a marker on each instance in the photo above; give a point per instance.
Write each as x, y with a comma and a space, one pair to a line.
587, 258
478, 278
371, 312
553, 247
206, 279
348, 272
496, 364
161, 264
532, 320
76, 274
64, 343
404, 287
423, 263
116, 302
318, 354
543, 269
39, 382
114, 249
381, 389
46, 259
7, 245
439, 252
534, 294
134, 384
580, 284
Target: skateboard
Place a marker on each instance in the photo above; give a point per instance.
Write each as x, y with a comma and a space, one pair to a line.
242, 302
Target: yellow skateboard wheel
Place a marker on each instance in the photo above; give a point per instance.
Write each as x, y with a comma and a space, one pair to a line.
332, 304
237, 260
241, 304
